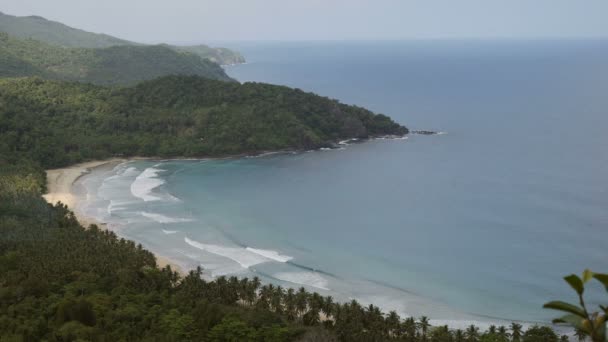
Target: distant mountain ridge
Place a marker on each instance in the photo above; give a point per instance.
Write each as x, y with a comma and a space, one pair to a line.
120, 64
56, 33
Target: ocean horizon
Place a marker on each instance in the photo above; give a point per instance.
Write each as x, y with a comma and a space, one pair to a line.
475, 225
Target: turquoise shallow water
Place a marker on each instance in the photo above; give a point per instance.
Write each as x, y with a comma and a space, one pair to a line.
476, 224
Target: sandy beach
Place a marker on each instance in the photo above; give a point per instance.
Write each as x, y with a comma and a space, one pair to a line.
60, 189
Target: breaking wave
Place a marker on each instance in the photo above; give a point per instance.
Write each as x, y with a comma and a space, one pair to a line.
274, 255
246, 257
312, 279
146, 182
164, 219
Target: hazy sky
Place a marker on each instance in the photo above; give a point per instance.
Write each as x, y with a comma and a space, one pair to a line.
204, 20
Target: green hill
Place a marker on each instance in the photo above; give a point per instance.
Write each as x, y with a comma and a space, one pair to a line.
125, 64
55, 33
219, 55
58, 123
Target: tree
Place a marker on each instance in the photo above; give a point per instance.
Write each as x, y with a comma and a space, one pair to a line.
232, 330
580, 334
516, 332
472, 333
301, 301
424, 326
441, 334
459, 335
177, 326
393, 323
502, 333
540, 334
410, 328
578, 316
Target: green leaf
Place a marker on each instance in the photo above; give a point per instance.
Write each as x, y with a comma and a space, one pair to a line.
573, 320
576, 283
563, 306
602, 278
600, 324
587, 275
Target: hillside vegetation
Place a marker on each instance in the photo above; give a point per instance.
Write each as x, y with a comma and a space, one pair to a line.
125, 64
219, 55
54, 33
58, 123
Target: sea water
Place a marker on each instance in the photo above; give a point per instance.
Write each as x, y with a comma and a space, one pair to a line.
477, 224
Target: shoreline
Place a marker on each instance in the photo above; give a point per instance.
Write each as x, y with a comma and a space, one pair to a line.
60, 184
61, 187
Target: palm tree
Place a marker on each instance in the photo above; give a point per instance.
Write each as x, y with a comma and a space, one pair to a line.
472, 333
277, 300
290, 304
458, 335
580, 334
424, 326
252, 289
392, 323
409, 328
516, 332
502, 333
374, 321
492, 330
301, 301
328, 306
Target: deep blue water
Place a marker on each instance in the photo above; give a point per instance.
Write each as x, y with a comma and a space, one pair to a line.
480, 222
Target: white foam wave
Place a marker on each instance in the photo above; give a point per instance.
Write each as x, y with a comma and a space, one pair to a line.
391, 137
163, 219
265, 154
246, 257
130, 171
117, 205
274, 255
347, 141
146, 182
169, 232
304, 278
240, 255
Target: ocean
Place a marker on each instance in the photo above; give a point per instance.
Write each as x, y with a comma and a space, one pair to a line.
477, 224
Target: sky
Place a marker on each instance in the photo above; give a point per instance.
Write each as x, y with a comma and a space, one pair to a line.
287, 20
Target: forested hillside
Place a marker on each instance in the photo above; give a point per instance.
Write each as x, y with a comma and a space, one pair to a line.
113, 65
219, 55
59, 123
58, 34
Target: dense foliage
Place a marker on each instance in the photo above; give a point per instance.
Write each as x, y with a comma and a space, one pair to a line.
59, 123
586, 322
113, 65
54, 33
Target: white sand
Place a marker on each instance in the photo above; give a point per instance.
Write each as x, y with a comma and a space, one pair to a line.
60, 183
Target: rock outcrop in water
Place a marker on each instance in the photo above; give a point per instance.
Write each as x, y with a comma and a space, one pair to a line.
423, 132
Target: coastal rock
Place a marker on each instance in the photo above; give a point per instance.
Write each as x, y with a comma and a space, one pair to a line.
423, 132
